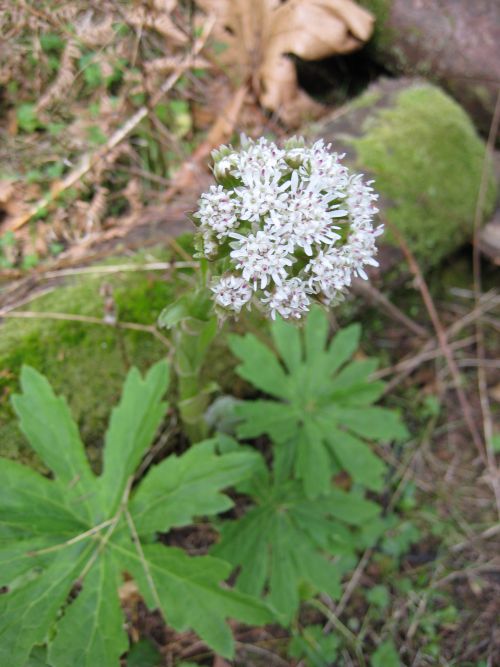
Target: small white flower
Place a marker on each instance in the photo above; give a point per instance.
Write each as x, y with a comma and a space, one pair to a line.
218, 211
292, 223
232, 292
290, 300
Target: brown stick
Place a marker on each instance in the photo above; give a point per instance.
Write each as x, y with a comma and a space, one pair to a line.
442, 338
480, 346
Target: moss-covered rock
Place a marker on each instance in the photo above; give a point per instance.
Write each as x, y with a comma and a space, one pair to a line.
426, 158
85, 362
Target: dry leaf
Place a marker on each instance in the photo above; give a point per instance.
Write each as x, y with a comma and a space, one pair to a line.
259, 34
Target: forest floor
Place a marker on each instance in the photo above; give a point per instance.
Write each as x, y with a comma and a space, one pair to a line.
105, 132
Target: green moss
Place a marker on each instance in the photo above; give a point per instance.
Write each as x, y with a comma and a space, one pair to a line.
427, 159
85, 362
368, 99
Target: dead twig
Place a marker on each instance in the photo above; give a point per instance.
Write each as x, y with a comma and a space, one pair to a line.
442, 338
118, 268
431, 349
375, 296
68, 317
480, 346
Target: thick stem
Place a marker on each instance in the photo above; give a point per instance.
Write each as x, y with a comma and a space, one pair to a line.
192, 339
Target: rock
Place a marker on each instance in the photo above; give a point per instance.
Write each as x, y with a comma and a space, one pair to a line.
426, 158
452, 42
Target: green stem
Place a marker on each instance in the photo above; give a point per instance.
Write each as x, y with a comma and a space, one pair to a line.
192, 338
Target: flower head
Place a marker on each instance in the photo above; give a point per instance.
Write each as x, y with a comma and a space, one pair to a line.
292, 223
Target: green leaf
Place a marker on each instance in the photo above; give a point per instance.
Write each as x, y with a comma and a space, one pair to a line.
81, 529
93, 75
28, 611
386, 655
316, 333
313, 461
288, 343
379, 596
343, 346
95, 617
189, 592
51, 41
357, 459
133, 425
276, 419
260, 365
375, 423
181, 488
27, 118
318, 649
21, 487
324, 407
46, 421
495, 443
285, 541
144, 654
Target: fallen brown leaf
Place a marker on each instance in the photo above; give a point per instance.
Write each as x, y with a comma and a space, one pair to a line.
259, 35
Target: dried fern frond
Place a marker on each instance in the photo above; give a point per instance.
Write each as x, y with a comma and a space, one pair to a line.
64, 78
132, 194
96, 210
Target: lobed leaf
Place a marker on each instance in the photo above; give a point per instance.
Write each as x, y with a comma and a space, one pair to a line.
327, 404
52, 537
91, 630
260, 365
181, 488
190, 593
46, 421
132, 427
286, 540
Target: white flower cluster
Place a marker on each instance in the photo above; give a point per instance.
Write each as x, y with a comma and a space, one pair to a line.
291, 223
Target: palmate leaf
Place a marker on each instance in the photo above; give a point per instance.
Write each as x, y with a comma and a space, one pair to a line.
78, 528
323, 410
287, 541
